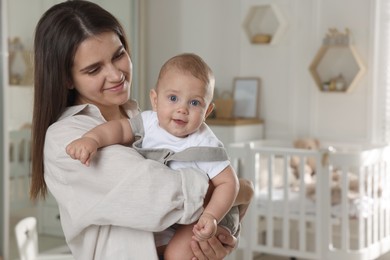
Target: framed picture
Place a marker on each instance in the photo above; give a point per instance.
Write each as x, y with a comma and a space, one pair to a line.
246, 93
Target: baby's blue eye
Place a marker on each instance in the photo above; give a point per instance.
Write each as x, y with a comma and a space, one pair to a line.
173, 98
195, 103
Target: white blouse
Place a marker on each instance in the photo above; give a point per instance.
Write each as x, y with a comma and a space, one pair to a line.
110, 209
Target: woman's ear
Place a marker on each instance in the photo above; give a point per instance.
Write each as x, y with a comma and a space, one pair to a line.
153, 99
210, 109
70, 85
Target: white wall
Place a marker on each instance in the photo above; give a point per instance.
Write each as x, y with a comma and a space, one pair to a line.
347, 117
200, 26
290, 102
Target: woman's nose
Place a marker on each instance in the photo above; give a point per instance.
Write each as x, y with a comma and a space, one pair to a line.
114, 74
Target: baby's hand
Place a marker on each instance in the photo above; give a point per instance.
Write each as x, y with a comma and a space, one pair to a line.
82, 149
205, 228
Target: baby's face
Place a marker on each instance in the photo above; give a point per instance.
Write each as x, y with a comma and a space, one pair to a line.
182, 102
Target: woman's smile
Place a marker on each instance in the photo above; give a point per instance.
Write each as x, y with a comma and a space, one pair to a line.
117, 88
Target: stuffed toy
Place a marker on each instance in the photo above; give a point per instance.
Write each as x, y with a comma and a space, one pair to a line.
310, 163
309, 175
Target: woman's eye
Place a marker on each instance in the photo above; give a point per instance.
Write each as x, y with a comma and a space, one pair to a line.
119, 55
93, 71
195, 103
173, 98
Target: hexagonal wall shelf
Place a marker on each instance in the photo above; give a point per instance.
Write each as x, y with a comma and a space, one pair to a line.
264, 24
337, 66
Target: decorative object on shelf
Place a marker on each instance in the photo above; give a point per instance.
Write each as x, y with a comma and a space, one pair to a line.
19, 63
261, 38
339, 82
264, 24
246, 92
337, 66
224, 104
334, 37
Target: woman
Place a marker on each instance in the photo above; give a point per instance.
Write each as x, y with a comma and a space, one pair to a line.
110, 209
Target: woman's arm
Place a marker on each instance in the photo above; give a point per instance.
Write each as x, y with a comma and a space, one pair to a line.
244, 196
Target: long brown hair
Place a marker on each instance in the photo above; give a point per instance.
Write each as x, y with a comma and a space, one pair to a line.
58, 34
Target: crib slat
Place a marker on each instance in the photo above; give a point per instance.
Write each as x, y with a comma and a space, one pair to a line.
302, 199
270, 213
370, 217
360, 217
286, 210
345, 235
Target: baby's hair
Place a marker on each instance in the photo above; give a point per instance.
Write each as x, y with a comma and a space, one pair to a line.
192, 63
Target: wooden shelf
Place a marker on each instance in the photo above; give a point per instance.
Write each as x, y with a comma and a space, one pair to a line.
233, 121
264, 24
337, 61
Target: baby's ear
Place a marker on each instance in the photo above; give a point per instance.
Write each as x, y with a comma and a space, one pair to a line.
153, 99
210, 109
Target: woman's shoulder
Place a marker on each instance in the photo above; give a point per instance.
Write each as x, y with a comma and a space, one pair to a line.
74, 122
131, 107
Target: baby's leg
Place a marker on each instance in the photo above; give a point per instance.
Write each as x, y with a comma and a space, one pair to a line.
179, 248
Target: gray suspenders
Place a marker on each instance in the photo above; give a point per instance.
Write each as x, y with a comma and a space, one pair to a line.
206, 154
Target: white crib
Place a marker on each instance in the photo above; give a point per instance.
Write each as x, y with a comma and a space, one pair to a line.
20, 165
284, 220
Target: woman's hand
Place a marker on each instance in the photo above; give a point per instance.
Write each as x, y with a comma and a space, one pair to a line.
216, 248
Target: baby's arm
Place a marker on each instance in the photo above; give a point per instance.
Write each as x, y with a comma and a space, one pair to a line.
111, 132
223, 197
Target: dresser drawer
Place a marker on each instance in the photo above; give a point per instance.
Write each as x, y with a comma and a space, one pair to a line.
49, 220
232, 131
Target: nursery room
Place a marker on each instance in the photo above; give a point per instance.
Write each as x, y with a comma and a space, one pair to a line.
302, 106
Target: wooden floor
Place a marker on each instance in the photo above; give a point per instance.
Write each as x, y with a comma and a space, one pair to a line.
273, 257
53, 243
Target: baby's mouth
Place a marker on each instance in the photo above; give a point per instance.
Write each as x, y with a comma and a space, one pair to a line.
179, 121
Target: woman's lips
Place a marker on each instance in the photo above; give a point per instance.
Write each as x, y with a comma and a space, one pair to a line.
117, 87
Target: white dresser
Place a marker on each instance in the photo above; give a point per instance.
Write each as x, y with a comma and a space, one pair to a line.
237, 130
49, 217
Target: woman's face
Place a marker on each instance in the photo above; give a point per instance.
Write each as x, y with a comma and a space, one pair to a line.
102, 72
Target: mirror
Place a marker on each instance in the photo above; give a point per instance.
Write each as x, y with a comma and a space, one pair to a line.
21, 18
